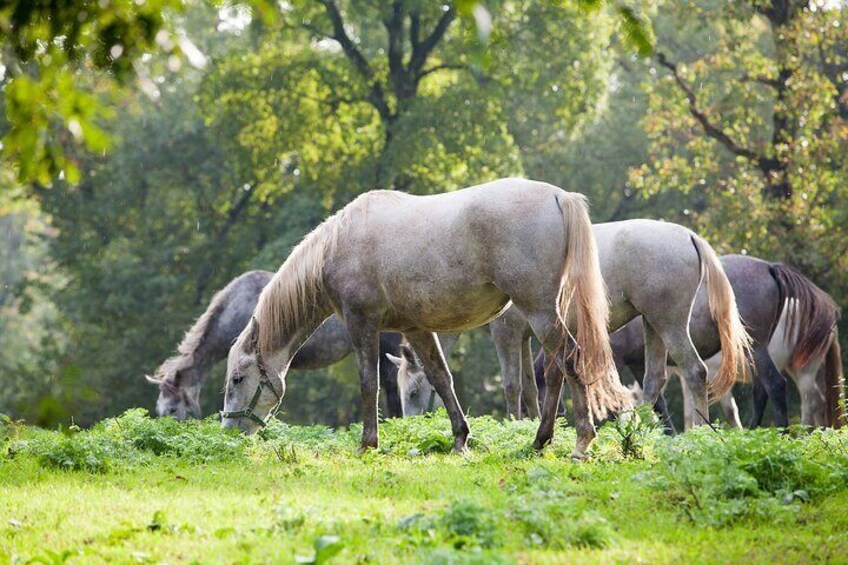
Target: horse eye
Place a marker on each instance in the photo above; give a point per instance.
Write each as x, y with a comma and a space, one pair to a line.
237, 378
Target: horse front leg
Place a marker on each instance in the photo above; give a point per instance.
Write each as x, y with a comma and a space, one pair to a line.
529, 390
426, 345
366, 344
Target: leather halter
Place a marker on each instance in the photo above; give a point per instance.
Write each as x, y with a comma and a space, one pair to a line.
264, 382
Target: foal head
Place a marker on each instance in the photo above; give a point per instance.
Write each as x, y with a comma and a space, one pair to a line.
179, 393
415, 389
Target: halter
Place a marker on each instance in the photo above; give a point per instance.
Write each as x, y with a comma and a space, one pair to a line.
432, 400
264, 382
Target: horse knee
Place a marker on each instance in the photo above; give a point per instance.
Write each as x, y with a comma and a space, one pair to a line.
369, 387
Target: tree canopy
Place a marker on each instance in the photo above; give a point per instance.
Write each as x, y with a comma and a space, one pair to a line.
155, 150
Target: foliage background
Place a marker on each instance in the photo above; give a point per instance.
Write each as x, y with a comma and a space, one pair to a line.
228, 131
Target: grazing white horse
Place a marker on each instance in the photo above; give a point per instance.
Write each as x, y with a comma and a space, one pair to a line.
653, 269
390, 261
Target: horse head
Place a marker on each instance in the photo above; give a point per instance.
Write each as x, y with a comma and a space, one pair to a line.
416, 394
177, 397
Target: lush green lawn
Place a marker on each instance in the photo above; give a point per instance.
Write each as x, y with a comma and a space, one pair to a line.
143, 491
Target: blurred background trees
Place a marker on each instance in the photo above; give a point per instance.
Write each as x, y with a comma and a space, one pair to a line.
139, 180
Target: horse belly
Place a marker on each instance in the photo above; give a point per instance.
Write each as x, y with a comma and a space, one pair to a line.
449, 312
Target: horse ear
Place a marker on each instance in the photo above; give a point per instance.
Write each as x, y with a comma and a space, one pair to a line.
254, 333
394, 359
152, 380
407, 353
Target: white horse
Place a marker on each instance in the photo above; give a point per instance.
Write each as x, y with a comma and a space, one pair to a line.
390, 261
650, 268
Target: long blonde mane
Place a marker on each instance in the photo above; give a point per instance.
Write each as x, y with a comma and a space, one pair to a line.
296, 288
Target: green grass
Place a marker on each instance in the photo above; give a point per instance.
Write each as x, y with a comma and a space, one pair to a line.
136, 490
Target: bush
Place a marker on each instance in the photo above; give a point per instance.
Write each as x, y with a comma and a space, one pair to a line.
719, 479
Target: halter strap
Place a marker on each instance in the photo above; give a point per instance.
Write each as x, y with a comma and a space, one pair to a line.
264, 382
432, 400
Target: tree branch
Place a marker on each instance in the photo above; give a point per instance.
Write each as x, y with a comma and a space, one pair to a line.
711, 129
394, 27
443, 67
420, 54
772, 82
377, 95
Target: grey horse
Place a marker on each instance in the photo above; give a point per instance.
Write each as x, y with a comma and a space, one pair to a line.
771, 296
180, 379
792, 324
650, 268
390, 261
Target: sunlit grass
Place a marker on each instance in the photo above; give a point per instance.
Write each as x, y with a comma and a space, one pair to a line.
302, 493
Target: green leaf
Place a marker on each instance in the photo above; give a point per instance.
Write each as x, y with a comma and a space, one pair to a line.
637, 31
326, 547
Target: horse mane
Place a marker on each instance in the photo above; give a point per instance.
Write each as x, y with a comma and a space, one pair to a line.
194, 337
812, 313
296, 287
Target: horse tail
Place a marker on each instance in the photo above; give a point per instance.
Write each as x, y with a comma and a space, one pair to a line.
834, 383
582, 283
735, 342
812, 315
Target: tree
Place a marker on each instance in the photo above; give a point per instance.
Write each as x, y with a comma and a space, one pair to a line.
747, 124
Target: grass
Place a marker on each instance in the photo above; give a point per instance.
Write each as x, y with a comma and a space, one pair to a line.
136, 490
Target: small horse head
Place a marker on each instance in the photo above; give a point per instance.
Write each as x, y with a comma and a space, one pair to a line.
415, 389
251, 393
179, 397
636, 393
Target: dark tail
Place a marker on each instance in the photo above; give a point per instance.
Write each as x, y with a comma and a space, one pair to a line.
813, 315
834, 383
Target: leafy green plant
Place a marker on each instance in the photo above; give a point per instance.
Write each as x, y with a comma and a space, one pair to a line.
634, 427
326, 547
719, 479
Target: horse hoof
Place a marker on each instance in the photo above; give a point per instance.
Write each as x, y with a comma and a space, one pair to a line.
364, 449
577, 456
460, 445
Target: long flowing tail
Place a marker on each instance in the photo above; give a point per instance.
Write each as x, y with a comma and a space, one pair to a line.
812, 316
583, 284
735, 342
834, 383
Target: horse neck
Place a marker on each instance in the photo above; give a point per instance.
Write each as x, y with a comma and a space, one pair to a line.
280, 357
199, 370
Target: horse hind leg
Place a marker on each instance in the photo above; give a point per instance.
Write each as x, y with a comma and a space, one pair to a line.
545, 328
429, 351
727, 402
655, 375
731, 410
811, 382
682, 350
773, 385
